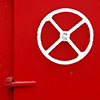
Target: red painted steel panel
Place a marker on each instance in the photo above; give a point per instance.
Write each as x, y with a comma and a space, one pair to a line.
79, 81
6, 46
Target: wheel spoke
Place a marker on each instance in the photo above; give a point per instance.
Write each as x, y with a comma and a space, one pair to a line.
53, 46
76, 26
74, 46
56, 25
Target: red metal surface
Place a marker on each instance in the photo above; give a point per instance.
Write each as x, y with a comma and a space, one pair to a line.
79, 81
6, 46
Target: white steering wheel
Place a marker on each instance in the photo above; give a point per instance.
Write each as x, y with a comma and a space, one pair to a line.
65, 36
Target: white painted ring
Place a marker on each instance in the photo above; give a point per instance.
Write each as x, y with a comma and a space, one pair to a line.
49, 18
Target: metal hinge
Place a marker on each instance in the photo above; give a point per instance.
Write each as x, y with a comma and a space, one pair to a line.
9, 83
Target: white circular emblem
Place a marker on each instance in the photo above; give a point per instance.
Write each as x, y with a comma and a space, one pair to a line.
65, 36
